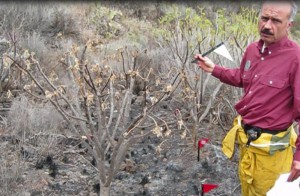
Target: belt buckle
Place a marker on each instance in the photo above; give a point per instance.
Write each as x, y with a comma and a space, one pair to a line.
252, 134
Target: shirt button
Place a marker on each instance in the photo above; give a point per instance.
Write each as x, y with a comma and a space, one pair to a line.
271, 82
262, 58
270, 52
255, 76
250, 92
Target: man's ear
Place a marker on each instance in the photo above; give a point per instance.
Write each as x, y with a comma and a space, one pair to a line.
290, 24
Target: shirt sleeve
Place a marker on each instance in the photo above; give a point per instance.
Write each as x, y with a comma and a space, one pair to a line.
228, 76
231, 76
295, 83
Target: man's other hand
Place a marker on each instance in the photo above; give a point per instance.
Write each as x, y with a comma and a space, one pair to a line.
295, 171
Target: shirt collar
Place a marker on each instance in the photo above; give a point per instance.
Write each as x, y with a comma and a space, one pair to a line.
273, 46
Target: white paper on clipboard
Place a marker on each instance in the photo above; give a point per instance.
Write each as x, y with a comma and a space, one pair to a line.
282, 187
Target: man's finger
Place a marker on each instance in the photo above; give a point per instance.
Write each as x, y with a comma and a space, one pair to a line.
197, 59
291, 177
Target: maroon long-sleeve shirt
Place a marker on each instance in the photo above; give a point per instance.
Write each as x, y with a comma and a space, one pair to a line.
271, 83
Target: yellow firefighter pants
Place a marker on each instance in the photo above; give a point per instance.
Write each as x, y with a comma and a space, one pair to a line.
263, 161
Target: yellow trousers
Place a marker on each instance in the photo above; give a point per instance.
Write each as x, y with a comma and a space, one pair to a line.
263, 161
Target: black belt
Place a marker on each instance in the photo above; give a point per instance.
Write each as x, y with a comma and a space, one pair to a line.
247, 127
253, 132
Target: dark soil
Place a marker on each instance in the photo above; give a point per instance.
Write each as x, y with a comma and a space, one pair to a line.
146, 171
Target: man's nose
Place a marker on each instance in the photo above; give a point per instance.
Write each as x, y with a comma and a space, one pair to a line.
268, 24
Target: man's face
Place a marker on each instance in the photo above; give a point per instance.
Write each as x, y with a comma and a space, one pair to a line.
274, 21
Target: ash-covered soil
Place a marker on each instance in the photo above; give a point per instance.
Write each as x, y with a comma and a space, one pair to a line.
154, 166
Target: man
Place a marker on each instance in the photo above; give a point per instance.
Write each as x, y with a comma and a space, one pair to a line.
270, 76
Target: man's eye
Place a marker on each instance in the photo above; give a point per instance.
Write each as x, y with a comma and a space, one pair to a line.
276, 21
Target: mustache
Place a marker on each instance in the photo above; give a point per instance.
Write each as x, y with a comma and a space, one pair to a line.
266, 31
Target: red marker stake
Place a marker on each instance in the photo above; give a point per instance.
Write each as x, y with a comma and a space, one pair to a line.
205, 188
198, 158
201, 143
